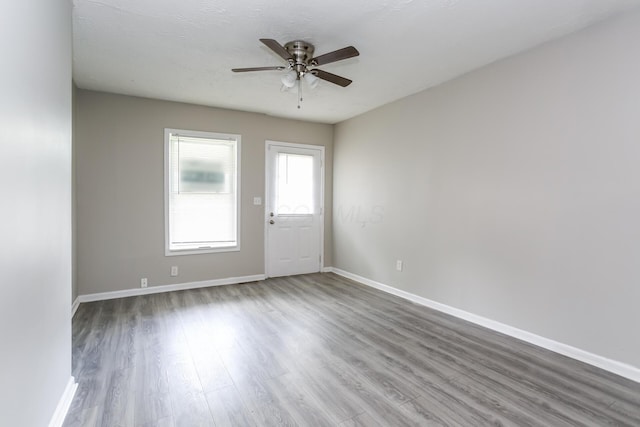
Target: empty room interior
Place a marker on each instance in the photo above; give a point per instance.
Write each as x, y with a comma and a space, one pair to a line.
356, 213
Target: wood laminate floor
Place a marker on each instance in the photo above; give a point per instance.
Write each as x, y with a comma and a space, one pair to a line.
320, 350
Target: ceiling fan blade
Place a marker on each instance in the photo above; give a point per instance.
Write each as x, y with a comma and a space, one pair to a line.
333, 78
242, 70
277, 48
336, 55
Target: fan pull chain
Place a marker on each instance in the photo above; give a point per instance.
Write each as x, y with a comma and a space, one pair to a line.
299, 92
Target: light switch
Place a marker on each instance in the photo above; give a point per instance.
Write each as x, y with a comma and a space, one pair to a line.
257, 201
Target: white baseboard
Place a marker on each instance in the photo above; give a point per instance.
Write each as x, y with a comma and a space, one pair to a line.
64, 403
327, 269
619, 368
74, 306
168, 288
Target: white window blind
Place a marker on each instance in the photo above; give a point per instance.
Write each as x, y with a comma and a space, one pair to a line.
202, 191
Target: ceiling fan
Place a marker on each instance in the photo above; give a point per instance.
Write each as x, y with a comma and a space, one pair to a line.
301, 63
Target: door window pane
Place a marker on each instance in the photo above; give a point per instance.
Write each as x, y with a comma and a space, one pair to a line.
294, 188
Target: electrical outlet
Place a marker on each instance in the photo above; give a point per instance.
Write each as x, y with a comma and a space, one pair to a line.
143, 282
174, 270
399, 265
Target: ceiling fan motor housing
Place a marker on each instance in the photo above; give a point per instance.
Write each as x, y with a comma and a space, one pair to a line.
302, 53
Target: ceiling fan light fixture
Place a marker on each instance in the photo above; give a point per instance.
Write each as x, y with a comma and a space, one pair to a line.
289, 79
311, 80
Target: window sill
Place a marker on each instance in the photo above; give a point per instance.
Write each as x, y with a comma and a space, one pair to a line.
200, 251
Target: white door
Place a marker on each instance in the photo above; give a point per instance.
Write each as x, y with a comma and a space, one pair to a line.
294, 211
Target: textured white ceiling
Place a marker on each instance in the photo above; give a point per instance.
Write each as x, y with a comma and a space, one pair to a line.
183, 50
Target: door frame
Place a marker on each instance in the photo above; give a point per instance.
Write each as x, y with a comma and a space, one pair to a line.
267, 195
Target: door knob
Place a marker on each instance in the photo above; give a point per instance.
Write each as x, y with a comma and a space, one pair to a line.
272, 222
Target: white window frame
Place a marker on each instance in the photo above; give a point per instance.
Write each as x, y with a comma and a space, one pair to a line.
167, 176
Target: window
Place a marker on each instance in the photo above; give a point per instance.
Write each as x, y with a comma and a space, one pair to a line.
294, 188
201, 192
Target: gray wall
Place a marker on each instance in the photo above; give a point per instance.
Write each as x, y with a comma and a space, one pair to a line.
35, 219
512, 192
120, 201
